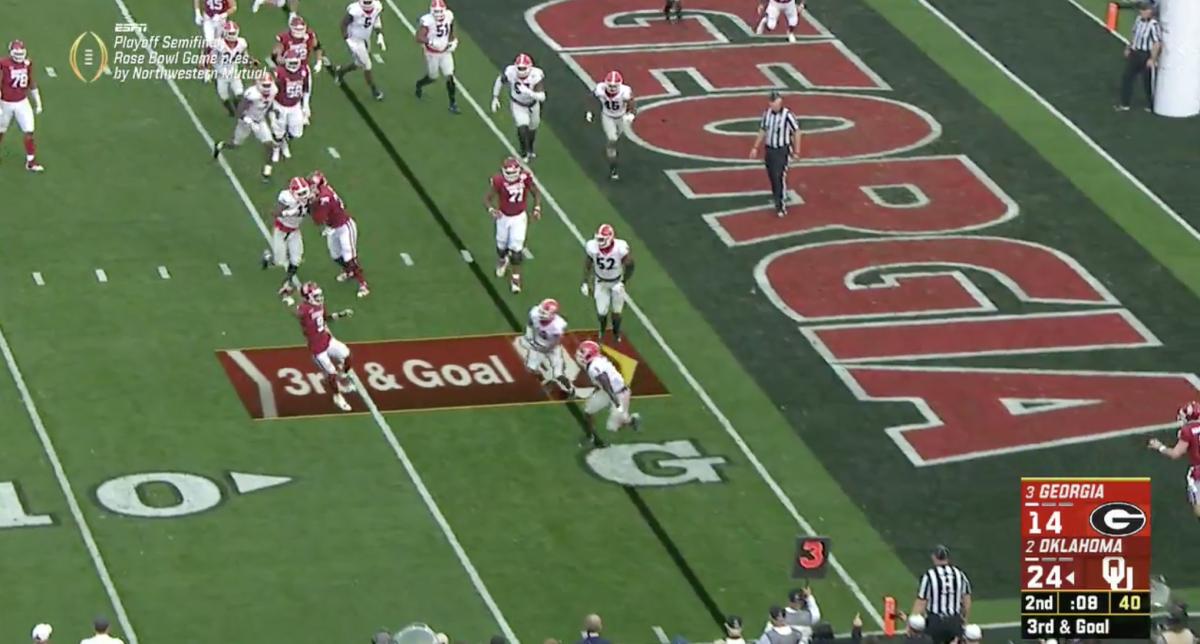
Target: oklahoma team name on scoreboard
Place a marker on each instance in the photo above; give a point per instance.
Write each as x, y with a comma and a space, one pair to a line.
1085, 569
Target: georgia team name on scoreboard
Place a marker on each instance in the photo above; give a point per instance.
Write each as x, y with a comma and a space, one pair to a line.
1085, 560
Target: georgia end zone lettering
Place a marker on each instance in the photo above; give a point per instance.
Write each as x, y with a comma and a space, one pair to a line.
409, 375
895, 280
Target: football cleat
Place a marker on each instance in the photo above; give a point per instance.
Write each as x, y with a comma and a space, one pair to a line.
605, 235
267, 259
511, 169
524, 64
635, 422
363, 291
34, 166
588, 350
1189, 412
514, 284
343, 276
612, 82
502, 267
17, 51
340, 401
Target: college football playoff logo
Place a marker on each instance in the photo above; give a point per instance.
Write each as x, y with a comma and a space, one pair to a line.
1118, 519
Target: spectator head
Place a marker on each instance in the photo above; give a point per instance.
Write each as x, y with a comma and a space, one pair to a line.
41, 633
972, 633
592, 623
100, 625
1145, 9
498, 639
940, 555
733, 626
916, 623
822, 632
796, 599
778, 615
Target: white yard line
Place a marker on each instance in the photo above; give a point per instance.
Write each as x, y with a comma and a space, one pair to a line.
333, 152
51, 73
37, 279
406, 258
68, 492
101, 276
660, 635
1065, 121
806, 527
164, 273
466, 256
388, 433
225, 267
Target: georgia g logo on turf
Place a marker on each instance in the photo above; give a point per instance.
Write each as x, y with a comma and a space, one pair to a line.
1118, 519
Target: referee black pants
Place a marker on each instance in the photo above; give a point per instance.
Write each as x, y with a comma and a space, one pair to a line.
777, 163
1135, 65
943, 629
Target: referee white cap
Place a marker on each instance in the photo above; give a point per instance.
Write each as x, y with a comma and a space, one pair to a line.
916, 622
41, 632
972, 633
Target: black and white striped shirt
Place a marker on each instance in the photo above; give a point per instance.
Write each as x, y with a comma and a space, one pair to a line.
1146, 33
779, 127
943, 588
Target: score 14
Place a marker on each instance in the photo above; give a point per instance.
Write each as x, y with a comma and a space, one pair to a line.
1053, 524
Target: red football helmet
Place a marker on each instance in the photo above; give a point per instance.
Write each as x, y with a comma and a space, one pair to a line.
587, 351
1189, 412
524, 64
612, 82
311, 292
16, 49
547, 309
438, 9
300, 188
605, 235
317, 179
511, 170
292, 60
231, 31
298, 27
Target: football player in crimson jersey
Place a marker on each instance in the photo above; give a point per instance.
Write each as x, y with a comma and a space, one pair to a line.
436, 36
339, 229
1187, 443
17, 90
506, 198
363, 18
291, 111
330, 354
302, 40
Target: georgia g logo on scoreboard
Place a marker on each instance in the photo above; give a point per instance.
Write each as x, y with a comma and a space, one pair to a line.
1118, 519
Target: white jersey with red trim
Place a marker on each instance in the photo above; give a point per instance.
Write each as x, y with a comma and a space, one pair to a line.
362, 24
613, 105
259, 102
228, 56
519, 88
291, 213
601, 365
608, 263
545, 336
437, 35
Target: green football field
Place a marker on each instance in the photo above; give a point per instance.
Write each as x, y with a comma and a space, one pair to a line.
142, 477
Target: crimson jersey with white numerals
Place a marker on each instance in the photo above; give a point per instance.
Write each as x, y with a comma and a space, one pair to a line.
314, 325
292, 85
1190, 434
217, 7
328, 208
303, 46
16, 79
512, 195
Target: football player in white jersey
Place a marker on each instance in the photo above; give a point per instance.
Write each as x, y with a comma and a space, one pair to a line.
290, 7
363, 18
287, 243
616, 116
253, 116
526, 95
436, 36
612, 392
228, 54
770, 10
544, 331
607, 267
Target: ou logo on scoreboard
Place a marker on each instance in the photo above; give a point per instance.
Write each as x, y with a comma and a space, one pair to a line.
1118, 519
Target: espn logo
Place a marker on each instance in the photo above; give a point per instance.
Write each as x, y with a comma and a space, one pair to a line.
129, 27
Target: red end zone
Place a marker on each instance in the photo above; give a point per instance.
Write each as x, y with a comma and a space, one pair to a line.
401, 375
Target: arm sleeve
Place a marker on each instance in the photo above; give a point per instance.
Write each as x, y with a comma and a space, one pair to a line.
497, 85
923, 588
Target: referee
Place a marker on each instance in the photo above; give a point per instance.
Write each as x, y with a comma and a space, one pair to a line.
944, 597
1141, 56
781, 131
